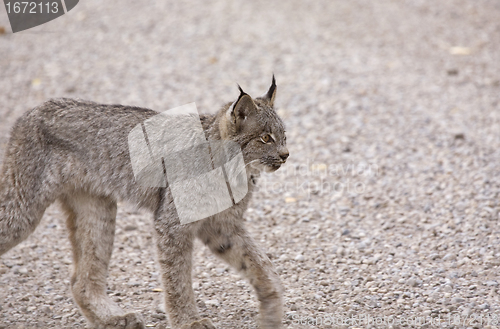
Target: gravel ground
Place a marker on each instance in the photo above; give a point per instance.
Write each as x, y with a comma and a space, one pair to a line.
389, 204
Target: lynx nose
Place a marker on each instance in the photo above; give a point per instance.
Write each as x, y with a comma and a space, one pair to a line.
284, 155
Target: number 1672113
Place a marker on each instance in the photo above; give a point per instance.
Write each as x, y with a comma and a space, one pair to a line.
26, 7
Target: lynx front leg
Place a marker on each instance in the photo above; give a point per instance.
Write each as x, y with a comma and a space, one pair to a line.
91, 222
231, 242
175, 247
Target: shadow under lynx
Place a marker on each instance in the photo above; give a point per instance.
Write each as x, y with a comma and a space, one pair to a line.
76, 152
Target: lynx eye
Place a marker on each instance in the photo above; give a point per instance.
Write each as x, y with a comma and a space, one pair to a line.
266, 138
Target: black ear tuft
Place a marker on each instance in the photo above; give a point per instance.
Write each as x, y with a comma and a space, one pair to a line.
241, 91
271, 93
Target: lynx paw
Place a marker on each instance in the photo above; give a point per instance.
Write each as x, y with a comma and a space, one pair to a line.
201, 324
127, 321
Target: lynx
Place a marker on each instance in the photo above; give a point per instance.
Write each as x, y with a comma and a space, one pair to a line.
76, 152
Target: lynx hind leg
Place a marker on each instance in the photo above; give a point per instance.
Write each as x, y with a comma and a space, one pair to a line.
91, 223
231, 242
26, 188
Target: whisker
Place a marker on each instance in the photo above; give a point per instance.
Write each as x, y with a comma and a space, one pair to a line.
251, 162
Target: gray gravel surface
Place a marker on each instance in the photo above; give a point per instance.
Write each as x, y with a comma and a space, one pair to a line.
389, 204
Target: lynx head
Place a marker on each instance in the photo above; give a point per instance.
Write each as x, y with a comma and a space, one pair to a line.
256, 127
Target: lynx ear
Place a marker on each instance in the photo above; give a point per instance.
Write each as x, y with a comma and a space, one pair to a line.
240, 110
271, 93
